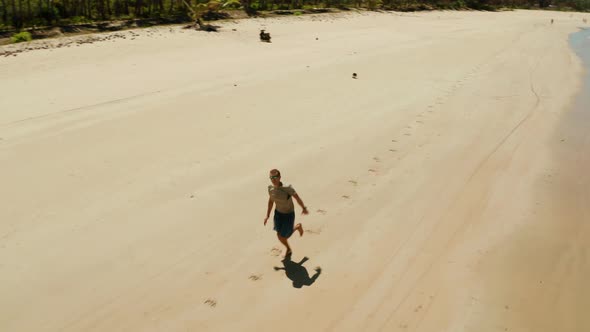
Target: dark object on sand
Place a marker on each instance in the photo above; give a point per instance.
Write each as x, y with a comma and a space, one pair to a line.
264, 36
298, 273
205, 27
354, 75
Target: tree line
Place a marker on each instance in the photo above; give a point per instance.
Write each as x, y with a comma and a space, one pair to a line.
28, 13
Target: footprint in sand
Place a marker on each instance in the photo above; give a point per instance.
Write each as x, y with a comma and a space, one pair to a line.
354, 183
255, 277
345, 196
372, 170
211, 302
393, 150
377, 159
321, 211
313, 231
275, 251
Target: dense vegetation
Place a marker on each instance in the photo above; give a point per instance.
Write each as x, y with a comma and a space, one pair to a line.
27, 13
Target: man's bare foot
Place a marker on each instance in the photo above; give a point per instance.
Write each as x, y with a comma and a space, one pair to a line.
299, 228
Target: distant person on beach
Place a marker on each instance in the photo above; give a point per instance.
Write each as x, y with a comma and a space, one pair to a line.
284, 218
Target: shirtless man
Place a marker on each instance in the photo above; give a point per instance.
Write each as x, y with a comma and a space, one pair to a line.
284, 217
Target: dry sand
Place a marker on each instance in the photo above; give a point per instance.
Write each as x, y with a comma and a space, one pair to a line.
448, 185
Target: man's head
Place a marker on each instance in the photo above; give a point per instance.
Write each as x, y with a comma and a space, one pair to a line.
275, 176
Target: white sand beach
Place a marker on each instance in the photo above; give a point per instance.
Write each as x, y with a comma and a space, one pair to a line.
448, 185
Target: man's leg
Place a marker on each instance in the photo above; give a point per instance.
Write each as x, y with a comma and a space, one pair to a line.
285, 243
299, 228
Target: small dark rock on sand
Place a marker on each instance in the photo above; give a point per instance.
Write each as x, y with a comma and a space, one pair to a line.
264, 36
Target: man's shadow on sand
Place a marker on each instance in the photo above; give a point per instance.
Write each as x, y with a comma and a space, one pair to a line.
298, 273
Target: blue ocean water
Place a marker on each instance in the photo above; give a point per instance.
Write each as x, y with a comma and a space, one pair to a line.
580, 43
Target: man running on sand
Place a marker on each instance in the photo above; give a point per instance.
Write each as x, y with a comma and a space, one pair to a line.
284, 218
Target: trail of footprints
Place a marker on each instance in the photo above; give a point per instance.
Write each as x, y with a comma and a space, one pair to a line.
276, 251
419, 120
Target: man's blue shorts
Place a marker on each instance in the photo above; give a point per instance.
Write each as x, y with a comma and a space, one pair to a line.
284, 223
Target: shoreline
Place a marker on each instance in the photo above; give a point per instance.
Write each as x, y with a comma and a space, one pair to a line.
89, 33
90, 36
121, 26
533, 256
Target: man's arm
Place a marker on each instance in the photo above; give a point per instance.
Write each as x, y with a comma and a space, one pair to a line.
300, 202
270, 204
